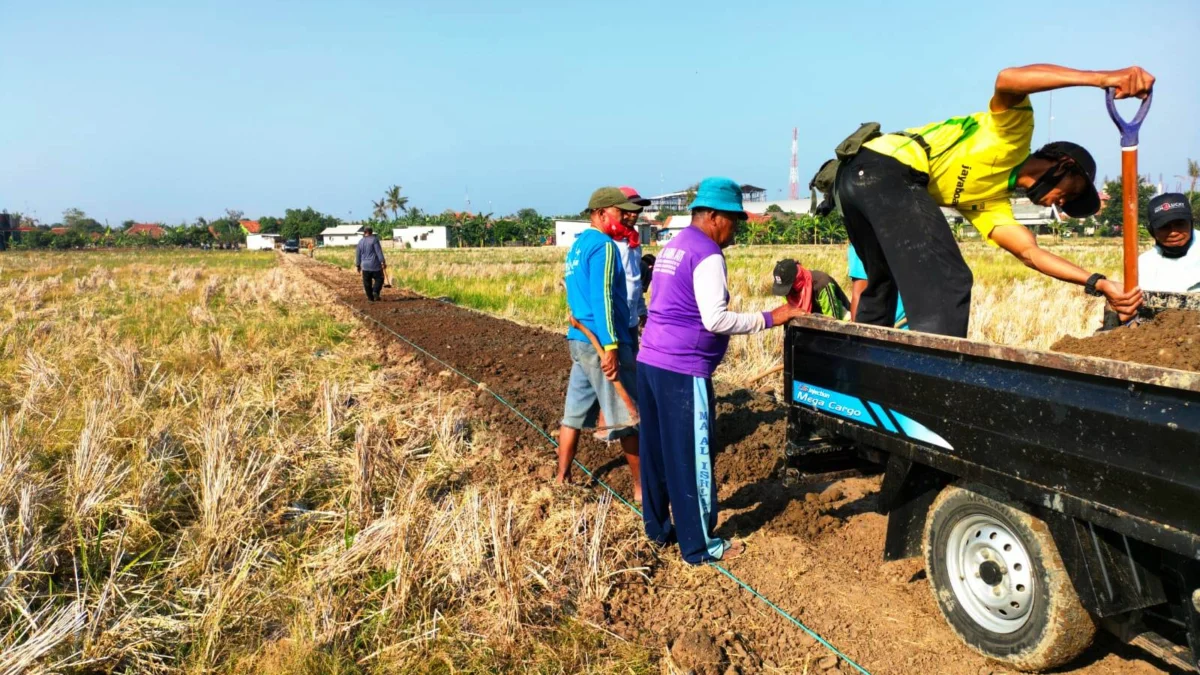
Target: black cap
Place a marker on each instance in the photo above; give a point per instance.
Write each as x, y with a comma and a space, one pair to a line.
784, 276
1088, 203
1168, 207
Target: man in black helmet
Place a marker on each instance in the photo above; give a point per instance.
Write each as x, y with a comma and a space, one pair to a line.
891, 191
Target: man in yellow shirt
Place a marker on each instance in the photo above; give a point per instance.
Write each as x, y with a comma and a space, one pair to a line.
891, 191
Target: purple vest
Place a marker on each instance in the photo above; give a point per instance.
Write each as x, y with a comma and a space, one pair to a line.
675, 338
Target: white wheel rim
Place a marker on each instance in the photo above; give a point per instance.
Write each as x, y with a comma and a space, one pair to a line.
991, 573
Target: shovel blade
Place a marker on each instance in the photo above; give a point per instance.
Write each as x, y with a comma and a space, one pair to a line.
1159, 300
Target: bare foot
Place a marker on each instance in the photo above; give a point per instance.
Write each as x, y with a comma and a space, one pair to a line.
733, 548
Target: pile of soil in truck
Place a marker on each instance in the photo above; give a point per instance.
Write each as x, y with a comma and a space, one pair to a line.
1171, 340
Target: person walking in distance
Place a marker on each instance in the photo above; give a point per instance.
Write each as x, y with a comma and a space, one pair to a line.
685, 339
369, 261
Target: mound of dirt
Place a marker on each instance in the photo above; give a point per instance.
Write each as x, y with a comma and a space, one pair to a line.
696, 651
1171, 340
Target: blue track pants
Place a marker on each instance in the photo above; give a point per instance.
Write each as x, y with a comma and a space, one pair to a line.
679, 490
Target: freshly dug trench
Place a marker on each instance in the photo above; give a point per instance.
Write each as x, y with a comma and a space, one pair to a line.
1171, 340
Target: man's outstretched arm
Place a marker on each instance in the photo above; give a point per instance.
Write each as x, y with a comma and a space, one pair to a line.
1014, 84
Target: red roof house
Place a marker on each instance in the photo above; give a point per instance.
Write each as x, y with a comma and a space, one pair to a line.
58, 230
151, 230
249, 226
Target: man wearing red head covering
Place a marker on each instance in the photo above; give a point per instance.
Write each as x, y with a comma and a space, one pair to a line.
629, 245
813, 291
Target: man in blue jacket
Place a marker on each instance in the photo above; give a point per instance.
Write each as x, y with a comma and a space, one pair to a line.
597, 299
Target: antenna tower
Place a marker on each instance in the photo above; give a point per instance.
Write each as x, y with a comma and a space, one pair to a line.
794, 174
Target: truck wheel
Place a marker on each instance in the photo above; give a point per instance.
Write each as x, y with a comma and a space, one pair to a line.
999, 581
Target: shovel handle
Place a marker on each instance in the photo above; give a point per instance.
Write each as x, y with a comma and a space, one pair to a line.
625, 398
1129, 129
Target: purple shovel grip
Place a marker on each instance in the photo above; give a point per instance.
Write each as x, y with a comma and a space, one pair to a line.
1129, 130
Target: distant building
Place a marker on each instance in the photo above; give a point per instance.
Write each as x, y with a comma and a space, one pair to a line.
59, 230
1033, 216
678, 201
250, 226
261, 242
796, 206
341, 235
420, 237
152, 230
673, 226
565, 231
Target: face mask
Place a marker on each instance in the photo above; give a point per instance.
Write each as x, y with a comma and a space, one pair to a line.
1045, 183
1177, 251
614, 228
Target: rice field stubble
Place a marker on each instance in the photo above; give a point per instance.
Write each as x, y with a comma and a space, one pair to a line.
206, 466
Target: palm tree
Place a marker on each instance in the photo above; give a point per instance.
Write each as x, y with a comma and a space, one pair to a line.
1193, 173
380, 209
395, 201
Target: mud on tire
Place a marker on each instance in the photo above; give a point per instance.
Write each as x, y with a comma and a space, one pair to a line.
999, 581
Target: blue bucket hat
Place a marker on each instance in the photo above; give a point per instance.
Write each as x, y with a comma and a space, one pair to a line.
719, 194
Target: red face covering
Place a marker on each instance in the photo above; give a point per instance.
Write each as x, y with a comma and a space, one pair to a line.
802, 290
614, 228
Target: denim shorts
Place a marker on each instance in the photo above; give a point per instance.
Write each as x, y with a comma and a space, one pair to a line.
589, 391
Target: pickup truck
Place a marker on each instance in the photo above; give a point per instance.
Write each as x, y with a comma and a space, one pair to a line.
1050, 494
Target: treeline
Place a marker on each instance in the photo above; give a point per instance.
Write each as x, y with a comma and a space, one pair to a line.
781, 227
526, 227
464, 229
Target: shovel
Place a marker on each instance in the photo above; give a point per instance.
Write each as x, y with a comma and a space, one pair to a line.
1155, 301
633, 413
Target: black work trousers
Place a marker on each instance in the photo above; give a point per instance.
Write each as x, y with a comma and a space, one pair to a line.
372, 283
906, 246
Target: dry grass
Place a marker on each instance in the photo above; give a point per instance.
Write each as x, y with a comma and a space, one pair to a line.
205, 468
1011, 305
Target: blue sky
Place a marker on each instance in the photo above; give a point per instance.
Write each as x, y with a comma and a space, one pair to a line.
156, 113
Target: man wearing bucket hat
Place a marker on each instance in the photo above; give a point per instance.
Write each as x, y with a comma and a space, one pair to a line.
1173, 265
685, 339
890, 187
596, 298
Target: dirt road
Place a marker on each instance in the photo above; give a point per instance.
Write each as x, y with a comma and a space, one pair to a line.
815, 550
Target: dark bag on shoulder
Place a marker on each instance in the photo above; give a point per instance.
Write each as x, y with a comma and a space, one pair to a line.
824, 179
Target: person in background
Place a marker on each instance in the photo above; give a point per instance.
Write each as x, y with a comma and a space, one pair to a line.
647, 272
686, 336
369, 261
629, 244
813, 291
596, 298
858, 284
1173, 265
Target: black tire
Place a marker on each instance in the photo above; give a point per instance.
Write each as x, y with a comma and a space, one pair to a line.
1011, 599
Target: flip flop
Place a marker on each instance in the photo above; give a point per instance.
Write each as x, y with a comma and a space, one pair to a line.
733, 549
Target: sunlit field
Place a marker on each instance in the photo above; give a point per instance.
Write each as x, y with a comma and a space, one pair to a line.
206, 467
1011, 304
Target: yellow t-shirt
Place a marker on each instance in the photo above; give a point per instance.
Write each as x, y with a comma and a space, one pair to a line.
972, 161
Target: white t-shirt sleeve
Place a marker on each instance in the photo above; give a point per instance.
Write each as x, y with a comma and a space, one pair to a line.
1171, 275
709, 281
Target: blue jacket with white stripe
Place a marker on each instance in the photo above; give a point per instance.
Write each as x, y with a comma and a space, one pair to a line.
596, 294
